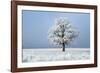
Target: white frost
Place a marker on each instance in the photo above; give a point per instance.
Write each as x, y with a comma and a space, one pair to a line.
62, 32
38, 55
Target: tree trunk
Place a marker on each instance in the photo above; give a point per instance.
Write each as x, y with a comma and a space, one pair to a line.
63, 45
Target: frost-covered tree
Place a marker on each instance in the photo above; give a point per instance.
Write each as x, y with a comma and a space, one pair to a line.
62, 33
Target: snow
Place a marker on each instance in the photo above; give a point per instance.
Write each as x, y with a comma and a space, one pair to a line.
40, 55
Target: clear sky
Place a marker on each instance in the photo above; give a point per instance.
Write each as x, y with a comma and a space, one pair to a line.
35, 26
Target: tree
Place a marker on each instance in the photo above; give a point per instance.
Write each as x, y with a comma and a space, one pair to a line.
62, 33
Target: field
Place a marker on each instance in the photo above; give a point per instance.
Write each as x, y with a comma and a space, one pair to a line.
39, 55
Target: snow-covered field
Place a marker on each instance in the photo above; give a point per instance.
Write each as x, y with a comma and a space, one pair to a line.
39, 55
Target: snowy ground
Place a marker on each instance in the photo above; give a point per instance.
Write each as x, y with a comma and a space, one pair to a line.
39, 55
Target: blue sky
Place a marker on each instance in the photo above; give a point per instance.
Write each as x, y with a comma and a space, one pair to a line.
35, 25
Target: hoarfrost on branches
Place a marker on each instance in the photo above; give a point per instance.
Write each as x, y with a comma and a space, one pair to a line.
62, 33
